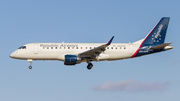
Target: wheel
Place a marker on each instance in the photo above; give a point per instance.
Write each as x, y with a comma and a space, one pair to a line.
30, 67
89, 66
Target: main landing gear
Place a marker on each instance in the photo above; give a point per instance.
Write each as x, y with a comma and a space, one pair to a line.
90, 65
30, 61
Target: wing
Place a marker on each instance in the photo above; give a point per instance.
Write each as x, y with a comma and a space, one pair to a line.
92, 53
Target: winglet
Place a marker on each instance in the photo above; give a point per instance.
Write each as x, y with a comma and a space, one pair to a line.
109, 42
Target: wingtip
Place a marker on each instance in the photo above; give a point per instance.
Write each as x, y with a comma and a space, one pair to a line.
109, 42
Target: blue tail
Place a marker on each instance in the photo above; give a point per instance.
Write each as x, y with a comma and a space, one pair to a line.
156, 37
158, 33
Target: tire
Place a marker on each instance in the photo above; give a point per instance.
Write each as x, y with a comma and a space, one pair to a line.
89, 66
30, 67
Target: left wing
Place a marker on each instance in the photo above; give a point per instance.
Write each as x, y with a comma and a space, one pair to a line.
91, 54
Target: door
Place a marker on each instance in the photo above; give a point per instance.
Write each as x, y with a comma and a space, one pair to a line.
130, 49
36, 48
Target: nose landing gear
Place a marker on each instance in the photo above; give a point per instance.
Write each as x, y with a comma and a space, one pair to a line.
30, 67
30, 61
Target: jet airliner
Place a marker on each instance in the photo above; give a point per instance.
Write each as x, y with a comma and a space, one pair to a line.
75, 53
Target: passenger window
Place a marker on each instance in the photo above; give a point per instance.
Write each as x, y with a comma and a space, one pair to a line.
43, 47
51, 47
72, 47
119, 47
59, 47
56, 47
116, 47
86, 47
68, 47
81, 47
124, 47
76, 47
47, 47
89, 47
111, 47
107, 47
64, 47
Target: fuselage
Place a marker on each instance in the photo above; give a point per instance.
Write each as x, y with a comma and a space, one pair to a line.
57, 51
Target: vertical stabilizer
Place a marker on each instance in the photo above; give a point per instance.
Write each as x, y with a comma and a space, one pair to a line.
158, 33
156, 37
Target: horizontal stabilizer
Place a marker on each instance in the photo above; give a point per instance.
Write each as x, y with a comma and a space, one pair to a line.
160, 46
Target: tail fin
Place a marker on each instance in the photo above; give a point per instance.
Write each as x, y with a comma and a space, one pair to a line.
158, 33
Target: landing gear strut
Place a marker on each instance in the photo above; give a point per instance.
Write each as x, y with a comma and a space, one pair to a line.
30, 61
89, 66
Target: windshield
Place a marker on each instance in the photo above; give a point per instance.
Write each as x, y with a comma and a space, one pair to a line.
22, 47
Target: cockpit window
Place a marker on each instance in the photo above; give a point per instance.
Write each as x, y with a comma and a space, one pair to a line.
22, 47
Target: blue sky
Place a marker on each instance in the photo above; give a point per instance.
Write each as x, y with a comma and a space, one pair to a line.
149, 78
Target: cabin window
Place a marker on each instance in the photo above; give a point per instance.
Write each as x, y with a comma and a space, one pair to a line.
111, 47
68, 47
86, 47
72, 47
56, 47
124, 47
119, 47
76, 47
43, 47
107, 47
116, 47
89, 47
51, 47
59, 47
81, 47
64, 47
47, 47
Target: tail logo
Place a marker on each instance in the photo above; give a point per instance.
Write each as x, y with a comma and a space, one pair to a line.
157, 36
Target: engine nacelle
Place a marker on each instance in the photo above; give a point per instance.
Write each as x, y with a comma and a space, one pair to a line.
71, 59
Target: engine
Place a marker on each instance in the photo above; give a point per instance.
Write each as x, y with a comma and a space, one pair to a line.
71, 59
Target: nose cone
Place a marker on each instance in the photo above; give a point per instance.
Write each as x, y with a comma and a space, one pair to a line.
12, 55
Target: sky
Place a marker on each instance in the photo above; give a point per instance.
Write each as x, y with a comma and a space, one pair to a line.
153, 77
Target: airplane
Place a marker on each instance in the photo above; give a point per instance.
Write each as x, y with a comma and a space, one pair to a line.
75, 53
